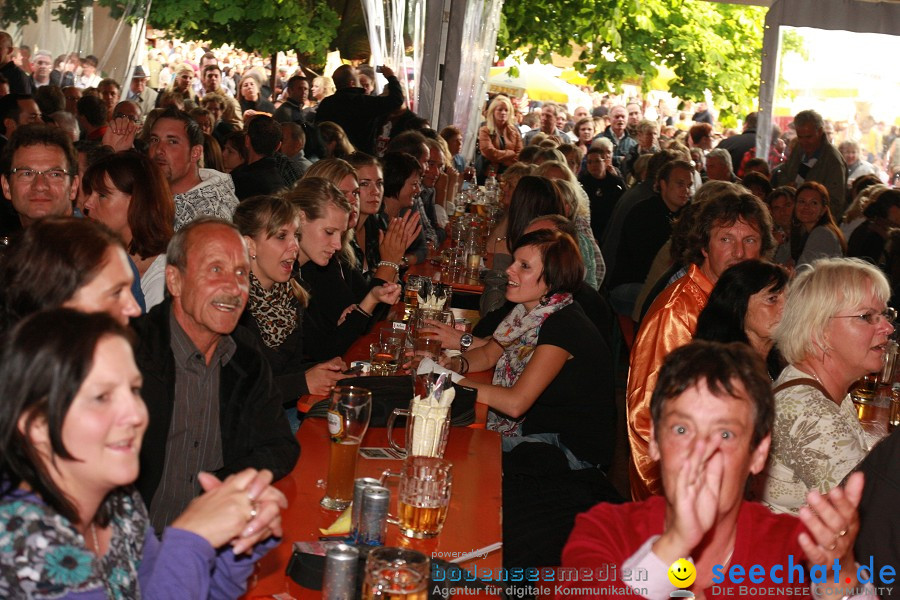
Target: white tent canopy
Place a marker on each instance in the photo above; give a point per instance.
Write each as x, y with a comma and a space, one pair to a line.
859, 16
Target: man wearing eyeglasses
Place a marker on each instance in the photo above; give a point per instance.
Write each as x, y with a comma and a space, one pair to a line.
40, 177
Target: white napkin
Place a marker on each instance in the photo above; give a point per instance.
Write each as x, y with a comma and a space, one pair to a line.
429, 366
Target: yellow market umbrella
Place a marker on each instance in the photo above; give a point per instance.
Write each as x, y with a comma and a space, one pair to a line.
537, 83
574, 77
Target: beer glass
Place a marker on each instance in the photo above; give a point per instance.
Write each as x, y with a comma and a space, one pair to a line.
348, 419
423, 496
395, 574
385, 357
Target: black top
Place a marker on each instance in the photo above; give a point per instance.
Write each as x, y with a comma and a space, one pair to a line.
255, 432
332, 289
579, 404
357, 112
19, 81
879, 521
286, 361
592, 303
738, 146
261, 105
866, 243
645, 230
603, 195
260, 177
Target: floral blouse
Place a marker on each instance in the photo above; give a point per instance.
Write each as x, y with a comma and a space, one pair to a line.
42, 555
815, 444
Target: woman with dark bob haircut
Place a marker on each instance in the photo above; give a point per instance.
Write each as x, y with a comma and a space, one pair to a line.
402, 183
128, 193
71, 425
745, 306
544, 355
61, 261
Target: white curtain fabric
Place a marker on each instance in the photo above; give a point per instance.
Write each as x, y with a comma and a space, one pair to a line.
860, 16
479, 39
393, 25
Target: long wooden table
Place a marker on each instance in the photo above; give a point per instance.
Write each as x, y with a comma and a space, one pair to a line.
473, 520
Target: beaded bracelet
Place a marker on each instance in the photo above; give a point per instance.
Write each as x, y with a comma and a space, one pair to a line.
387, 263
463, 365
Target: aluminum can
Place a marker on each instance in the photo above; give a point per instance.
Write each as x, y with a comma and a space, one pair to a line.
373, 517
339, 581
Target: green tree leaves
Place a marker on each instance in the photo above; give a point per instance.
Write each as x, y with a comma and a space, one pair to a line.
710, 46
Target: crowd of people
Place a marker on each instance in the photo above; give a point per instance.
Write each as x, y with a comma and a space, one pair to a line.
188, 252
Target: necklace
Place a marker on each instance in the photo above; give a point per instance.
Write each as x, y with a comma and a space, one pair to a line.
94, 537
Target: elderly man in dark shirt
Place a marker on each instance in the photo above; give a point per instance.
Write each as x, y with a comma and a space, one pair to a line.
355, 111
208, 388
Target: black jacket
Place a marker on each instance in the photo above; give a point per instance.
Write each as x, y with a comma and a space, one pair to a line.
286, 361
255, 431
259, 177
357, 113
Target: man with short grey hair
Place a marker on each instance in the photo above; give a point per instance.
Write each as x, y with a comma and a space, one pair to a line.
43, 65
815, 159
209, 391
718, 166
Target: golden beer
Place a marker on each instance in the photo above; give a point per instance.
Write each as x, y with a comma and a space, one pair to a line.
421, 521
411, 298
342, 471
384, 364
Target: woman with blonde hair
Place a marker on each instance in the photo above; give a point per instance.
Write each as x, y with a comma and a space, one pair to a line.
274, 314
322, 87
344, 177
341, 303
499, 140
834, 330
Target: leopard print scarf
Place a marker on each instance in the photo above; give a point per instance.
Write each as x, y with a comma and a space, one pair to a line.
275, 311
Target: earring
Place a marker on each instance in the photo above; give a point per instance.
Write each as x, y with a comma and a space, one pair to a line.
252, 257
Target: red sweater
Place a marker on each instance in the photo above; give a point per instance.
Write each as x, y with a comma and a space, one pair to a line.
609, 534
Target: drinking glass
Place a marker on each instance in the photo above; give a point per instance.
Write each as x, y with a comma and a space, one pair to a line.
348, 419
427, 428
385, 358
396, 573
425, 347
423, 496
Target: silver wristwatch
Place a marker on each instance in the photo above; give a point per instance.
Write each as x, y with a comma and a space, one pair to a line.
465, 341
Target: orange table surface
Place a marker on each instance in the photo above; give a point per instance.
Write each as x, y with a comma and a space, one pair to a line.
473, 520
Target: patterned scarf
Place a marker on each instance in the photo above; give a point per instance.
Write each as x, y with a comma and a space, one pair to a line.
275, 311
517, 334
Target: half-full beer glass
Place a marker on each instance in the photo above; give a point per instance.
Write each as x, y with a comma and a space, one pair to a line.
348, 419
423, 496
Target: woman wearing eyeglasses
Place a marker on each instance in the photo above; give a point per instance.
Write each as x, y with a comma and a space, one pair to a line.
833, 331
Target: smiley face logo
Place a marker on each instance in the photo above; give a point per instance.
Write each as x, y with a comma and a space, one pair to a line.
682, 573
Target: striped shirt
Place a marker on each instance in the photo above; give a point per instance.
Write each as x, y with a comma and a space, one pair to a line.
194, 443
